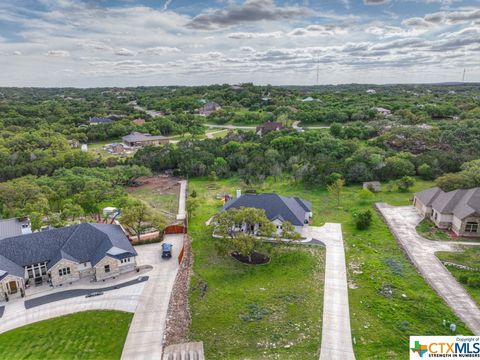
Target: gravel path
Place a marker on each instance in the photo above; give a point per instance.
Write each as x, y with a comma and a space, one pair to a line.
402, 221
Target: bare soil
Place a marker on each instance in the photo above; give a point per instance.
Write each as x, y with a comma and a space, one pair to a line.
160, 183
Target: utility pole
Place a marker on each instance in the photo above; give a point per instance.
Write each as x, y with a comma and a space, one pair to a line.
463, 77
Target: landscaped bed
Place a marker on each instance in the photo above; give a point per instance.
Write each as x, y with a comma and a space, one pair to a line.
389, 300
428, 230
465, 267
84, 335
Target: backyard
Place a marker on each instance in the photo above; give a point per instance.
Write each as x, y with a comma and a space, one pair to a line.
160, 193
85, 335
466, 269
388, 299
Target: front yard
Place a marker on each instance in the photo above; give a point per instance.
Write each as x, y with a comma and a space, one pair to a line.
468, 271
388, 299
239, 311
429, 231
84, 335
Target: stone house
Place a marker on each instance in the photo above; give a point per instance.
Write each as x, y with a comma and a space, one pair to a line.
278, 209
209, 108
64, 255
457, 210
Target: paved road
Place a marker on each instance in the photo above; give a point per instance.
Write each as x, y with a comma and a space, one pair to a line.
64, 295
336, 332
214, 126
402, 221
145, 336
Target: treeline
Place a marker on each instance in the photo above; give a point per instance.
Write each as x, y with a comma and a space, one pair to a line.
317, 158
68, 194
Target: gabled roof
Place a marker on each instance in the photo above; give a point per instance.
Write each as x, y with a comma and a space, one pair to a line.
270, 126
8, 267
139, 137
461, 203
291, 209
100, 120
78, 243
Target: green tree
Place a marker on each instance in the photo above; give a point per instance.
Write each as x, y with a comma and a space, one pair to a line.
138, 218
254, 223
405, 183
335, 189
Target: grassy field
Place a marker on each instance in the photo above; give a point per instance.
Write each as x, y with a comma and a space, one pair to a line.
469, 279
97, 148
389, 300
84, 335
239, 311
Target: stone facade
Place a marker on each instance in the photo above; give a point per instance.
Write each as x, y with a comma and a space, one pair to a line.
64, 272
101, 272
12, 290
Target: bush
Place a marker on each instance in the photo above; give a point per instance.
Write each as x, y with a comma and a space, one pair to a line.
463, 279
363, 219
365, 196
405, 183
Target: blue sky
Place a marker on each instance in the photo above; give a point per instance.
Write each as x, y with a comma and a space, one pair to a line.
178, 42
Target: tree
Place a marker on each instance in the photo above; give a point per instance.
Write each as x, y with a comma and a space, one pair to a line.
405, 183
192, 205
425, 172
336, 129
288, 231
396, 167
138, 217
335, 189
254, 223
363, 219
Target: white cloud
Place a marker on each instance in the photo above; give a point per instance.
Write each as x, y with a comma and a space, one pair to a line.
58, 53
124, 52
255, 35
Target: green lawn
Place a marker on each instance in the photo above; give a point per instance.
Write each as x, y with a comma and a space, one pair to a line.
429, 231
240, 311
469, 279
84, 335
165, 203
389, 300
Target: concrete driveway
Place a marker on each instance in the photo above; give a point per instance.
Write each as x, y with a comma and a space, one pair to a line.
402, 221
124, 299
145, 336
336, 331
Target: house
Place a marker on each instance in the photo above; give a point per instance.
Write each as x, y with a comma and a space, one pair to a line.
100, 120
115, 148
278, 209
267, 127
209, 108
14, 227
374, 186
371, 91
139, 122
64, 255
308, 99
457, 210
383, 111
137, 139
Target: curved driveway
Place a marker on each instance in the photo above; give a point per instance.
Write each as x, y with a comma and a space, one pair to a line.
402, 221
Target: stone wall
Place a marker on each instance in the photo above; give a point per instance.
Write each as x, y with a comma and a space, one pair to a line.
68, 278
100, 273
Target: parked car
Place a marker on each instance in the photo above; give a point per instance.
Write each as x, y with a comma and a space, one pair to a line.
95, 293
166, 250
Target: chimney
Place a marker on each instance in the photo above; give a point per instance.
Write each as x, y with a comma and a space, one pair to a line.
239, 193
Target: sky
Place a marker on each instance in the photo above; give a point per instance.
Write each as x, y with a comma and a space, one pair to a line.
91, 43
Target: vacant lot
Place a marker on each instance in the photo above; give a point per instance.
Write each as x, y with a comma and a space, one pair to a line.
85, 335
389, 300
160, 193
469, 278
240, 311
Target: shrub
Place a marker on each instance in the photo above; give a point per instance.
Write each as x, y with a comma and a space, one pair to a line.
463, 279
405, 183
363, 219
365, 196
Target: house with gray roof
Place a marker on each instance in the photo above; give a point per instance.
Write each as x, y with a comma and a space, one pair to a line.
278, 209
136, 139
457, 210
63, 255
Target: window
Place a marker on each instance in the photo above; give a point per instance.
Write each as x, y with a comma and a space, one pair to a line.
64, 271
107, 268
471, 227
123, 261
36, 270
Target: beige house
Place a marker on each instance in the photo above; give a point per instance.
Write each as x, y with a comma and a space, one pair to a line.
137, 139
63, 255
457, 210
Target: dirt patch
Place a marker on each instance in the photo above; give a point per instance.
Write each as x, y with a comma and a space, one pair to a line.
255, 258
160, 183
